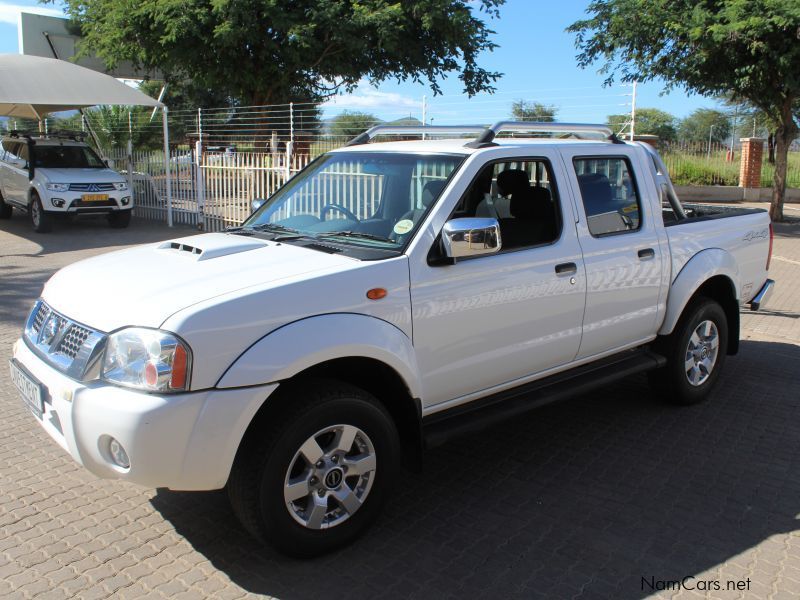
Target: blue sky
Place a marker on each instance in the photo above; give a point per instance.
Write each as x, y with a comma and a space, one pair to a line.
535, 54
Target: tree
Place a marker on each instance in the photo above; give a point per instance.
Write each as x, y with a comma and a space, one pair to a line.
350, 124
705, 123
522, 110
274, 51
649, 121
747, 49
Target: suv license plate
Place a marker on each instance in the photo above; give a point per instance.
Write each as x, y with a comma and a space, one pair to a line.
94, 197
29, 388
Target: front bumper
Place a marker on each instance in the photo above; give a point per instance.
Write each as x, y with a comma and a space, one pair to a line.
180, 441
73, 203
762, 297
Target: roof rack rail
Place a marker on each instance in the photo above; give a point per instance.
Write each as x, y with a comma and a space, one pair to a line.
486, 135
58, 134
377, 130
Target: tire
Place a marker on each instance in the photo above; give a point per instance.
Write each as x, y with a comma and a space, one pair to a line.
5, 209
120, 219
42, 221
695, 353
284, 498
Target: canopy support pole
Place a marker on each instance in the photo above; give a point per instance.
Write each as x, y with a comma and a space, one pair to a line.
165, 124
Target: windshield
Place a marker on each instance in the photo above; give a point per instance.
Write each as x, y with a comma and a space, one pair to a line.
372, 199
66, 157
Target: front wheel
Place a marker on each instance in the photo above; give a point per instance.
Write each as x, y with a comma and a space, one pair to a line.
119, 220
695, 353
5, 209
313, 477
41, 221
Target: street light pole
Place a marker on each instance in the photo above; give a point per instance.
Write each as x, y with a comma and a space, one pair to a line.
710, 131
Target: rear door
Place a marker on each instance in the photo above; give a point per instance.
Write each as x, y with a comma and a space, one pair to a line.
622, 240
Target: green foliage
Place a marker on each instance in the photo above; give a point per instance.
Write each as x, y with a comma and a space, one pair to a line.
273, 51
745, 49
697, 127
649, 121
350, 124
523, 110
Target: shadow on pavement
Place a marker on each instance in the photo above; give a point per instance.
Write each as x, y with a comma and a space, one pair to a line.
579, 499
80, 234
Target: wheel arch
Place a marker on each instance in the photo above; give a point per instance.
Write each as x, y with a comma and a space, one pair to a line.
714, 274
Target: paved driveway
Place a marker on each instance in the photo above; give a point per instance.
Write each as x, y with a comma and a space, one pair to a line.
610, 495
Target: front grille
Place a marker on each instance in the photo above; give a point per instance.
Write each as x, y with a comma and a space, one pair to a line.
40, 316
93, 204
73, 340
68, 346
91, 187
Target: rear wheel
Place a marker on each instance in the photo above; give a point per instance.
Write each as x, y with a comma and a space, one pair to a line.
42, 222
315, 475
695, 353
119, 220
5, 209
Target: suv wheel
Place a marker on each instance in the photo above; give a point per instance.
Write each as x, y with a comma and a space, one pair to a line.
695, 353
316, 476
120, 219
41, 221
5, 209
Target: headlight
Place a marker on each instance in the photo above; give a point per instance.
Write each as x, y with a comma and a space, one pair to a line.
57, 187
147, 359
120, 186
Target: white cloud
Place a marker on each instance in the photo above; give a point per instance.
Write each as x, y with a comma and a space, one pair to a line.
367, 97
9, 13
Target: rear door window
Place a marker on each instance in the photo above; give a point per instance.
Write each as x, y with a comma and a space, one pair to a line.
609, 194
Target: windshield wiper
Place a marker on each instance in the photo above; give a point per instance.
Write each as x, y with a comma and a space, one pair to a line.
356, 234
282, 232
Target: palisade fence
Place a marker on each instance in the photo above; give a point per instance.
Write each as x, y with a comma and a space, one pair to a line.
220, 160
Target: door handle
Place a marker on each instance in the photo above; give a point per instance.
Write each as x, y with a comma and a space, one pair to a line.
566, 268
646, 253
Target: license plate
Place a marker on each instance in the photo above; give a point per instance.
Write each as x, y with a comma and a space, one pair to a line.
94, 197
29, 388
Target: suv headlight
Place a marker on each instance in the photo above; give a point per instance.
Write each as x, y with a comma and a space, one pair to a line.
57, 187
121, 187
147, 359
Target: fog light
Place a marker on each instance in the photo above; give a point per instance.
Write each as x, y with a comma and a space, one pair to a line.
118, 454
126, 200
57, 202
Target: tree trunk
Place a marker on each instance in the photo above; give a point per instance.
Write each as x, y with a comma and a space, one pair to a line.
771, 148
784, 136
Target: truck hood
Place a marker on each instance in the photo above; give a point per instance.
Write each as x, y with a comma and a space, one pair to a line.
80, 175
145, 285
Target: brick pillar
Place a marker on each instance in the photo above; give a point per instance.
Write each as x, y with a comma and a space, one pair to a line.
750, 165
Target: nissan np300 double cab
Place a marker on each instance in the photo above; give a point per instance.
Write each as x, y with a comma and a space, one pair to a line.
59, 175
388, 296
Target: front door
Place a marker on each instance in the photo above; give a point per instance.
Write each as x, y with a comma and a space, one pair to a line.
495, 319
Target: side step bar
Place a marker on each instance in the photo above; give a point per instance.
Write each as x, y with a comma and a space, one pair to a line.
473, 416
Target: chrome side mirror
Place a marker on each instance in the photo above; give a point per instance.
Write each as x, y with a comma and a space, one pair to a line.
257, 203
462, 238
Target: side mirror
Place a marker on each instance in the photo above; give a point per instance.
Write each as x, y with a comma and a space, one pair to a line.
462, 238
257, 203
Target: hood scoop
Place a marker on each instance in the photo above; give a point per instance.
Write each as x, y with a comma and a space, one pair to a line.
210, 245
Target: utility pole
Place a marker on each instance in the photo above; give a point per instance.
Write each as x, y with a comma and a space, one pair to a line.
424, 113
710, 131
633, 111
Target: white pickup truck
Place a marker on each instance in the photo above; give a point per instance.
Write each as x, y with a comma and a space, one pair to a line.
388, 296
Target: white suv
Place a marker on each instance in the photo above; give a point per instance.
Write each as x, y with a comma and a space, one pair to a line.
59, 175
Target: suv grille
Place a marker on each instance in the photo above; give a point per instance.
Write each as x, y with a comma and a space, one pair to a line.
68, 346
91, 187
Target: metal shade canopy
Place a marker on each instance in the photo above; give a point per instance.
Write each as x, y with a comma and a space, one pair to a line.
32, 86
